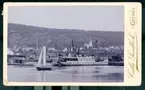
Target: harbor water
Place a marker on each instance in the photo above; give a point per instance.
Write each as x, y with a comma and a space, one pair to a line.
67, 74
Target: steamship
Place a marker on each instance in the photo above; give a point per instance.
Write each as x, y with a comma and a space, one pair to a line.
79, 61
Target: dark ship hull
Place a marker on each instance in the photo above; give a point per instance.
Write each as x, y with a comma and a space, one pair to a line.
43, 68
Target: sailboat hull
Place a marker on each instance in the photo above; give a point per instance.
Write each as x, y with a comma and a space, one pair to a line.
43, 68
42, 61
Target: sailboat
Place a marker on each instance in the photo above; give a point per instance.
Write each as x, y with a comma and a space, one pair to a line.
42, 61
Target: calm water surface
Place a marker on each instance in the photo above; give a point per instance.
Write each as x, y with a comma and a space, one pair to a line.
67, 74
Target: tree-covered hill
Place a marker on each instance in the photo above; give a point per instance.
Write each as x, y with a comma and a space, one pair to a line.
32, 36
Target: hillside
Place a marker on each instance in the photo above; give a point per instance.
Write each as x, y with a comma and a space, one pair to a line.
31, 36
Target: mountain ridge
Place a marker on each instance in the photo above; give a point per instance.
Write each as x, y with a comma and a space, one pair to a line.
33, 36
61, 28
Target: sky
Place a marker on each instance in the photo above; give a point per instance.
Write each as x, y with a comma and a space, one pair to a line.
100, 18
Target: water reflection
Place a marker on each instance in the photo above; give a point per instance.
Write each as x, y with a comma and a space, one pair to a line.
67, 74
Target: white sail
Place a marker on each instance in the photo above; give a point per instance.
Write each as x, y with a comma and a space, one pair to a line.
40, 58
44, 56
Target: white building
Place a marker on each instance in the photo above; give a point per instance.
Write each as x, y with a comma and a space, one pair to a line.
51, 49
65, 50
88, 45
10, 52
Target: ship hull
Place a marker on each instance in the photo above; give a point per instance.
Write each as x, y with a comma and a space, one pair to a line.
80, 64
43, 68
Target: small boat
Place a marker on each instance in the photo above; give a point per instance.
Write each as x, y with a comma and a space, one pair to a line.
42, 61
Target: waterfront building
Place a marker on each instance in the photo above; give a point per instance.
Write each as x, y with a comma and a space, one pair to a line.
10, 52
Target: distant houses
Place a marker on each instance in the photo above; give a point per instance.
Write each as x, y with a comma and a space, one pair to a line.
86, 50
51, 49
